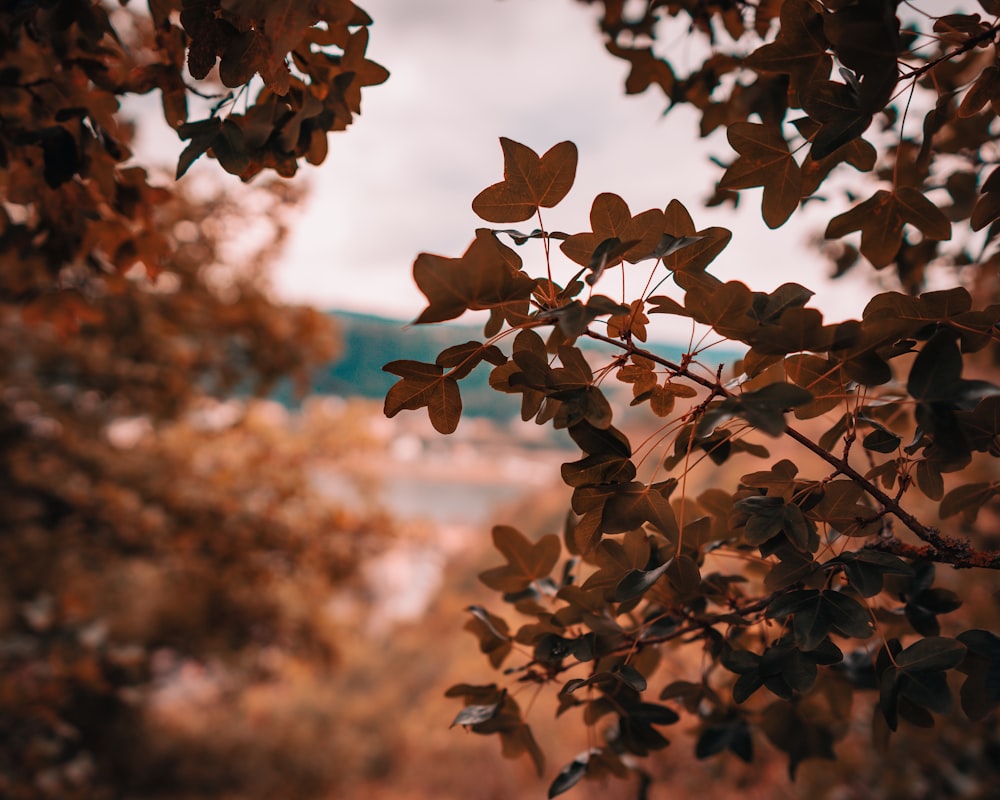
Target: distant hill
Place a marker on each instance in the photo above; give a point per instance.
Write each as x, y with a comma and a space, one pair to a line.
370, 341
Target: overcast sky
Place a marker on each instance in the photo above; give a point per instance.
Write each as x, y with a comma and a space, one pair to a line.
465, 72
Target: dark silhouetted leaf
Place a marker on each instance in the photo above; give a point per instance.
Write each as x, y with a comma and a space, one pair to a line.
881, 217
570, 775
610, 219
765, 161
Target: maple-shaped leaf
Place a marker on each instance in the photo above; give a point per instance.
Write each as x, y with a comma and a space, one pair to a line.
764, 161
844, 507
424, 386
361, 70
529, 182
487, 276
881, 217
844, 111
527, 561
616, 558
610, 219
626, 506
208, 36
800, 49
647, 69
269, 31
698, 254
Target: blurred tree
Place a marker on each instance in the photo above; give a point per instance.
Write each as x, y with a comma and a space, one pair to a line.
139, 542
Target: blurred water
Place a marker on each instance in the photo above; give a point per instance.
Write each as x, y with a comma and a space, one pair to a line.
450, 503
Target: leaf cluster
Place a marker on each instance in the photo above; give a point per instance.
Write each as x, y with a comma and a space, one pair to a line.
805, 88
639, 572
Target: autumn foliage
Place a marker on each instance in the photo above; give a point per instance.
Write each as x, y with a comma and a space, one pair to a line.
796, 549
144, 538
853, 464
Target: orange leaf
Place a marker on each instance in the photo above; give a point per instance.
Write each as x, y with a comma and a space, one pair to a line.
529, 182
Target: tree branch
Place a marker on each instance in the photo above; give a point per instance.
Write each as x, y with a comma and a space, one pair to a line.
940, 548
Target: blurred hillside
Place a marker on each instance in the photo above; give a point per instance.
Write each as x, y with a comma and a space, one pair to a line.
370, 341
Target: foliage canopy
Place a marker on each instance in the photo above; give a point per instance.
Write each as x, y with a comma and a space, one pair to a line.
811, 576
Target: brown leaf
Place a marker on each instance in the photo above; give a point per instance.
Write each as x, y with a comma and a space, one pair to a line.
647, 69
610, 218
487, 276
627, 506
526, 561
424, 386
764, 161
800, 49
844, 508
693, 259
362, 71
823, 380
529, 182
724, 308
881, 217
987, 208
